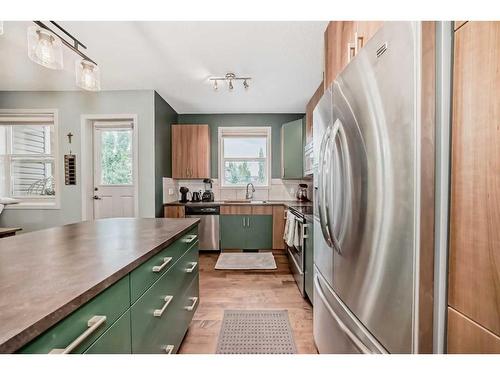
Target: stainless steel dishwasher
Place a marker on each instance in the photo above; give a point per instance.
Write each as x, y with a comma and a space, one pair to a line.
208, 229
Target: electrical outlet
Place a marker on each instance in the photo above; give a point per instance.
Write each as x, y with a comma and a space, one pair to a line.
170, 191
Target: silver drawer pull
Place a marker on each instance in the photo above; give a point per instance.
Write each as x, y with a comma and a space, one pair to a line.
191, 307
190, 238
159, 312
169, 349
94, 323
192, 268
166, 261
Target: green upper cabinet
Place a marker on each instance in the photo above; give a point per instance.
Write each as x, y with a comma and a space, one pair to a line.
292, 150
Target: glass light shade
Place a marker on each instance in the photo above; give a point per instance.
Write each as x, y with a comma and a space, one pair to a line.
87, 75
45, 48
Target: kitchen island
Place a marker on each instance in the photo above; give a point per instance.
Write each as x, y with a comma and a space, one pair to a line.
99, 286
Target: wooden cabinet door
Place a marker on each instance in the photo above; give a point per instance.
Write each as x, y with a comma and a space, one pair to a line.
338, 35
365, 31
278, 227
190, 151
474, 259
292, 150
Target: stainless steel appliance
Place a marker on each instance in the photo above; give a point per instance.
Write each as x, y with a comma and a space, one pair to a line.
301, 193
208, 194
367, 183
208, 229
296, 254
184, 194
308, 159
196, 196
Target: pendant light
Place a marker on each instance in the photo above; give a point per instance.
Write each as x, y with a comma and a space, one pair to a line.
45, 48
87, 75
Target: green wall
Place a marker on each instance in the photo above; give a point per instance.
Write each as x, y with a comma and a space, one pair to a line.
164, 117
274, 120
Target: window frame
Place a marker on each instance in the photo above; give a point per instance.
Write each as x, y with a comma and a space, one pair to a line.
242, 132
41, 203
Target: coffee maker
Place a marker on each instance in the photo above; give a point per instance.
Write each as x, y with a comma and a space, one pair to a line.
208, 194
184, 194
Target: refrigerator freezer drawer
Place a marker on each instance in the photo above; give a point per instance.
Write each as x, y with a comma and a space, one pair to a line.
335, 329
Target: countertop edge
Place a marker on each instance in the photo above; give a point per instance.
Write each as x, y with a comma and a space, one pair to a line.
26, 335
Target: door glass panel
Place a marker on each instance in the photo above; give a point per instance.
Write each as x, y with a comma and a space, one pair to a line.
116, 157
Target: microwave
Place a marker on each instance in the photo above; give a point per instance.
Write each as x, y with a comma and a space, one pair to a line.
308, 159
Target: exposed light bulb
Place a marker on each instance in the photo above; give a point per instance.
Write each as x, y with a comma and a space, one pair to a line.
45, 48
87, 75
231, 84
216, 87
245, 84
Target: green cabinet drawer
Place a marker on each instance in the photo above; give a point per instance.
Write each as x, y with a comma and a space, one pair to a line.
116, 340
156, 316
259, 232
95, 317
147, 273
232, 231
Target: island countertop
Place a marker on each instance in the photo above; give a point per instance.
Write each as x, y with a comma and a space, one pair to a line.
46, 275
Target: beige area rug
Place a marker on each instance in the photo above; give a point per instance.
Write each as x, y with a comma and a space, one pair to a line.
246, 261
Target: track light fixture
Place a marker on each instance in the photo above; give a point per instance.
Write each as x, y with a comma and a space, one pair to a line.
229, 78
45, 48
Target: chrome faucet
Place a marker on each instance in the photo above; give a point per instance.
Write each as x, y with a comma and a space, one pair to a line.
250, 193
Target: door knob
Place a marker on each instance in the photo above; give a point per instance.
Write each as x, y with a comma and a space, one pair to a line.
97, 198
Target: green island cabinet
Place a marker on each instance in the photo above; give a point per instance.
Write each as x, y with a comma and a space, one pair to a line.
251, 232
292, 150
147, 311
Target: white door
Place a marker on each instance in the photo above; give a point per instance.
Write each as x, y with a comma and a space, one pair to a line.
113, 169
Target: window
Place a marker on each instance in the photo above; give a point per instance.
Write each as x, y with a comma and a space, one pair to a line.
28, 158
244, 155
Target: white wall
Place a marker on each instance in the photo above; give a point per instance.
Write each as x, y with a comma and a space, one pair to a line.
71, 105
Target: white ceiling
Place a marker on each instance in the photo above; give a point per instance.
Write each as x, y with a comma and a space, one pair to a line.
285, 60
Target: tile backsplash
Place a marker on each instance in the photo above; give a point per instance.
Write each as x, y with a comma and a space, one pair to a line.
279, 190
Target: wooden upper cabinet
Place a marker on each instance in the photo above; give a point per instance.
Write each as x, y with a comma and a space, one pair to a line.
309, 112
342, 40
190, 151
474, 259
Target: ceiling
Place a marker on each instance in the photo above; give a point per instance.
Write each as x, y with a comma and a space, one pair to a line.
284, 59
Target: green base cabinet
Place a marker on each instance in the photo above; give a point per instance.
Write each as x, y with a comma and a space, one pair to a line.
251, 232
116, 340
111, 304
147, 311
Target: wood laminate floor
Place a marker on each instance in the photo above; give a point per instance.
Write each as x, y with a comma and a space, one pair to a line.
270, 289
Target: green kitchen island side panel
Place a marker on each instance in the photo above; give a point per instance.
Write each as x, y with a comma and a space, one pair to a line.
292, 150
116, 340
233, 231
259, 233
111, 304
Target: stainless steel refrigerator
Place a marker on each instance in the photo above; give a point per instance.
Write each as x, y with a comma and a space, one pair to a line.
367, 180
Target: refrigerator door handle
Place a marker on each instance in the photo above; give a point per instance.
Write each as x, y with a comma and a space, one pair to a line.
334, 131
356, 341
321, 187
